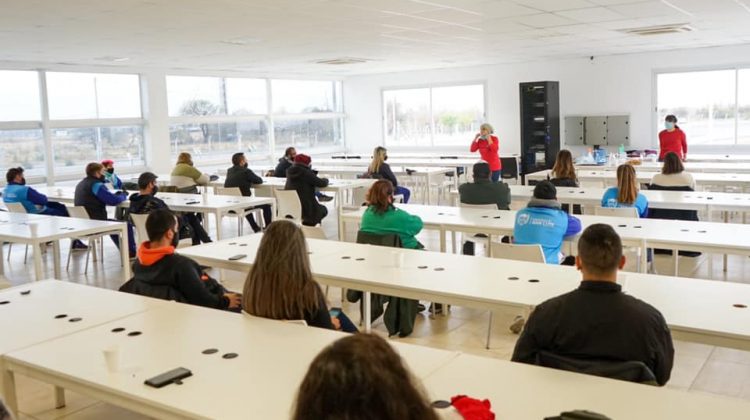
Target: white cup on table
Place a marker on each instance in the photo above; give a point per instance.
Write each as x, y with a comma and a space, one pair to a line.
112, 358
34, 228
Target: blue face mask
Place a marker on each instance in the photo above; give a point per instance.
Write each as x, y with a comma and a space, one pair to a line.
669, 125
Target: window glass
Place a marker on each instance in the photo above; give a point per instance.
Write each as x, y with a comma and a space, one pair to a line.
407, 117
93, 96
743, 117
19, 96
187, 96
246, 96
76, 147
307, 135
458, 112
23, 148
219, 139
303, 96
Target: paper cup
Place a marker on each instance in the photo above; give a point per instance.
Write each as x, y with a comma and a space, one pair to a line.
34, 228
112, 358
398, 259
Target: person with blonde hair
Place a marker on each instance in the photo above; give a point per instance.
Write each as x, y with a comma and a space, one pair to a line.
280, 284
626, 194
381, 170
185, 176
487, 144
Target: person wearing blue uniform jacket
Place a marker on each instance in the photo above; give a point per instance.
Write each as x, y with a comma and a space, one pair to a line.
543, 222
32, 200
626, 193
93, 195
109, 174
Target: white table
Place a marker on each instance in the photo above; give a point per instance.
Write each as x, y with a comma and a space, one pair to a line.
720, 238
609, 178
524, 392
692, 167
14, 228
705, 157
261, 382
218, 205
29, 319
696, 310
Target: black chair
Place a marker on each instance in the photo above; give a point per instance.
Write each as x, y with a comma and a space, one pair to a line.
510, 168
631, 371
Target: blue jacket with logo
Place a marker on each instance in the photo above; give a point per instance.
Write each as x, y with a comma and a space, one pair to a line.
112, 178
33, 201
544, 223
610, 200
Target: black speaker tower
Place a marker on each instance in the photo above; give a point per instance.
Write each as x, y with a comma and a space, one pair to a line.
540, 125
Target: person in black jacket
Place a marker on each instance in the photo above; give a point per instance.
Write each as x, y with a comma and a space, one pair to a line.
285, 162
162, 274
304, 180
597, 322
381, 170
242, 177
145, 201
280, 284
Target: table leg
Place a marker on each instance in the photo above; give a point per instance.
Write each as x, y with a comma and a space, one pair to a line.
59, 397
442, 239
8, 390
366, 311
124, 252
56, 258
339, 206
2, 261
37, 248
217, 214
676, 258
428, 190
644, 257
726, 220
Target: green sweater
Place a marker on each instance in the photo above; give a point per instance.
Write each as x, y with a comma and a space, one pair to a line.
395, 221
183, 169
485, 192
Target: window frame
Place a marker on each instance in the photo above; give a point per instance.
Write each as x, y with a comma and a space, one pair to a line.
430, 87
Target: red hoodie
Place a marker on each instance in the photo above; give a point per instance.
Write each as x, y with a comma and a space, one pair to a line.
488, 152
674, 141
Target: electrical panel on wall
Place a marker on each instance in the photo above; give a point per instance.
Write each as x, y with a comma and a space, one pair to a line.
597, 130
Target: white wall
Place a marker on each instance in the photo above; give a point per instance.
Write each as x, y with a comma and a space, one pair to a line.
607, 85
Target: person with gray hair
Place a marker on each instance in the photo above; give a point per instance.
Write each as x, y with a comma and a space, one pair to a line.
487, 144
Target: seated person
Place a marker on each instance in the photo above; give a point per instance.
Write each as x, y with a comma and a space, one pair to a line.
145, 201
381, 170
626, 194
673, 175
301, 178
32, 200
95, 197
563, 174
109, 175
185, 176
543, 222
286, 162
363, 372
381, 217
242, 177
160, 273
597, 321
280, 284
483, 191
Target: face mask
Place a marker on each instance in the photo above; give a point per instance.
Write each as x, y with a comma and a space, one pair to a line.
669, 125
23, 181
111, 170
156, 189
175, 238
244, 165
385, 158
101, 178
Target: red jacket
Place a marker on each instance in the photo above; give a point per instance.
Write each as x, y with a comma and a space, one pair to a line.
674, 141
488, 152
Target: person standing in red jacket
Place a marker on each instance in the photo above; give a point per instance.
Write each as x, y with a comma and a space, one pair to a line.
672, 139
488, 144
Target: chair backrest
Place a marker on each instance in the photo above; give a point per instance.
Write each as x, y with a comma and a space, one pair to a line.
479, 206
79, 212
233, 191
632, 371
388, 239
672, 214
510, 168
139, 221
313, 232
288, 205
15, 207
616, 211
530, 253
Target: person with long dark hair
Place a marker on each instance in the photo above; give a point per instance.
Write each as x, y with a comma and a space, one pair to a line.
672, 139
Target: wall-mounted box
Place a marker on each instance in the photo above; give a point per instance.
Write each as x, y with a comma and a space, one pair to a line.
597, 130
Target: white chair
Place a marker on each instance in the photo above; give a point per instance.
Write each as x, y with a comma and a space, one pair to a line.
79, 212
17, 208
530, 253
256, 212
139, 222
314, 232
288, 205
476, 239
616, 211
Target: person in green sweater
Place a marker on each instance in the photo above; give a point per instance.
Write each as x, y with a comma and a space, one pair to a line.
381, 217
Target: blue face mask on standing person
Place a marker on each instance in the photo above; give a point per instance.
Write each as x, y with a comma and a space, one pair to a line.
669, 125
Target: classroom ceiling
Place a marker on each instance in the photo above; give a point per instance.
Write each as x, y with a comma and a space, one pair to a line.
267, 37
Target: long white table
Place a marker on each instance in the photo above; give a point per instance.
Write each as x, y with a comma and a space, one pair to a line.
525, 392
711, 167
218, 205
261, 382
696, 310
42, 311
706, 157
720, 238
14, 228
609, 178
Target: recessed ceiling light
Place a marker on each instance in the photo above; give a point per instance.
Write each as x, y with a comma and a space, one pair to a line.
343, 60
112, 59
240, 41
678, 28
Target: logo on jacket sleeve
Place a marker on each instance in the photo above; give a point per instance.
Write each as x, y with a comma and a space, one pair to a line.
523, 219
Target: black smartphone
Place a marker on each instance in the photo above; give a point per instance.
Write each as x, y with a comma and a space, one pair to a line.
169, 377
192, 202
237, 257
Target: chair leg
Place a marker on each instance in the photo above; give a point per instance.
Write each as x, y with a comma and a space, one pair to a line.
489, 332
26, 254
70, 254
88, 253
10, 248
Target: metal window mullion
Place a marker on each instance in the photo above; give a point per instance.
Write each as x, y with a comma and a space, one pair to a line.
432, 121
736, 105
89, 123
270, 121
49, 153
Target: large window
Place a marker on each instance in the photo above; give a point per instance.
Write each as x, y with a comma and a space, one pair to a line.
712, 107
21, 139
214, 117
433, 116
78, 96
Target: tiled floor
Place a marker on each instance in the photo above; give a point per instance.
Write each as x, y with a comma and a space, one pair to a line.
698, 367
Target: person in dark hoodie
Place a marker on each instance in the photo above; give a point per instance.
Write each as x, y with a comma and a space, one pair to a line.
145, 201
160, 273
286, 162
242, 177
304, 180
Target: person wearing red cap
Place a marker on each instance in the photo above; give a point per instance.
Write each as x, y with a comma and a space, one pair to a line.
109, 174
301, 178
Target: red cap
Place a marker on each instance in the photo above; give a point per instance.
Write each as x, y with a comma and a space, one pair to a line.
106, 162
302, 158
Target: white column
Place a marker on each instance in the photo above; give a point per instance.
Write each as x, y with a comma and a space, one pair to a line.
155, 111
